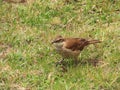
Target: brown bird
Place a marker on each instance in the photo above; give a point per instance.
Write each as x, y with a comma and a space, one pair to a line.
71, 47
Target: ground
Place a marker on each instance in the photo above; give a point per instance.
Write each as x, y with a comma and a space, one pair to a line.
27, 58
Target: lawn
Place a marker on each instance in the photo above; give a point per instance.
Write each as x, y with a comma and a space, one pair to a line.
27, 58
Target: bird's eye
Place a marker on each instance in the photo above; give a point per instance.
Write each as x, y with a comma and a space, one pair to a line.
59, 40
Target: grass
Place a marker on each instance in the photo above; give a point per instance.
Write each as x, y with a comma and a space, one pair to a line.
27, 59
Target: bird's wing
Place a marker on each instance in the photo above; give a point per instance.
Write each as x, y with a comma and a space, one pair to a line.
75, 44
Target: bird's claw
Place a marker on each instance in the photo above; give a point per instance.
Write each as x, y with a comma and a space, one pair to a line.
59, 63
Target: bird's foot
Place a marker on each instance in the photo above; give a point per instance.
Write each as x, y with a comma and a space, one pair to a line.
76, 62
61, 66
59, 62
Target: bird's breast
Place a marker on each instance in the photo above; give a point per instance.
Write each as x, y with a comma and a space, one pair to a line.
58, 46
65, 52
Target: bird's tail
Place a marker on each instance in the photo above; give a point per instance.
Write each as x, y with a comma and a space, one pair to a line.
93, 41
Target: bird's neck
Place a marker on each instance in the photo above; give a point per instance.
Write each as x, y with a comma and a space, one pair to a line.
59, 45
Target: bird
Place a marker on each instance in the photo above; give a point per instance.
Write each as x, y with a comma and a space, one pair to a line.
70, 48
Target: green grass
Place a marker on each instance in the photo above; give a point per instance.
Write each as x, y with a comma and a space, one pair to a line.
27, 58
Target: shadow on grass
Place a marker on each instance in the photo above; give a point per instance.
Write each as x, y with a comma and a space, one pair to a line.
95, 62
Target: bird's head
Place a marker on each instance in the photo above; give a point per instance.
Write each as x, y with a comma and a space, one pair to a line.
58, 42
58, 39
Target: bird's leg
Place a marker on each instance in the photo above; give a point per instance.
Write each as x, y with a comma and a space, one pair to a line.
60, 62
76, 61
